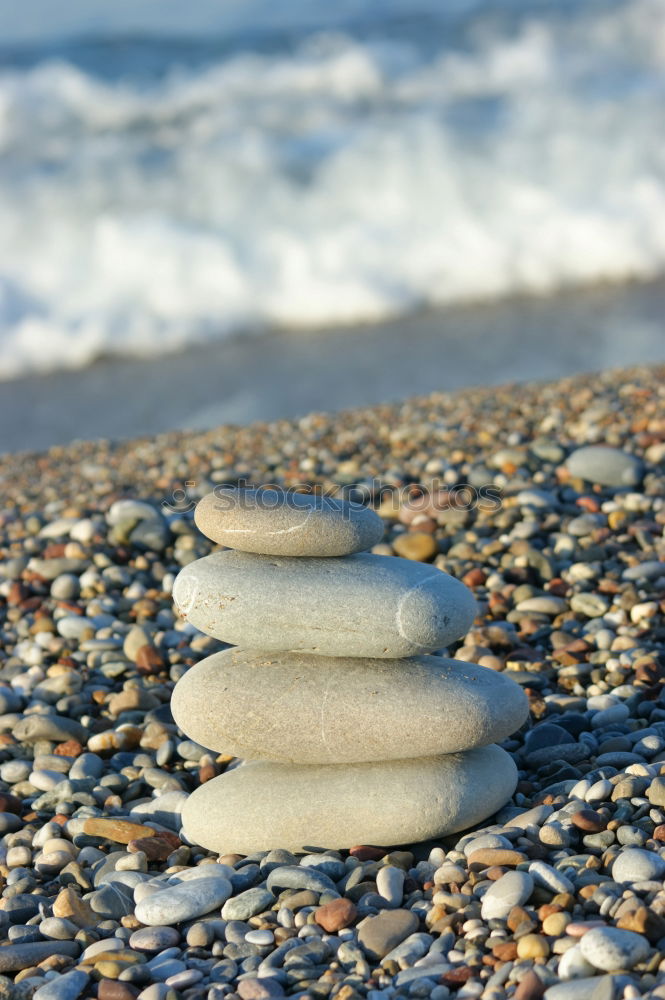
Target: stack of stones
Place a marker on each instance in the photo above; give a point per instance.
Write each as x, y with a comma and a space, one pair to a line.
349, 731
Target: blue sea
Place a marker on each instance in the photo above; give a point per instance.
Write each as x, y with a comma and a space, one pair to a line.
177, 173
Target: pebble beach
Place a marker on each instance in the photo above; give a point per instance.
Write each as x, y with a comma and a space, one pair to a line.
547, 501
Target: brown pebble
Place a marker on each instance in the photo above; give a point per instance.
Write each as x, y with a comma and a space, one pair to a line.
530, 987
155, 848
489, 856
366, 853
70, 905
70, 748
506, 951
643, 921
148, 660
336, 915
119, 830
519, 918
589, 820
56, 962
459, 975
112, 989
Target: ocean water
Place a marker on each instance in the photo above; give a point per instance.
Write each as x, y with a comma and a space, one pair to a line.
172, 174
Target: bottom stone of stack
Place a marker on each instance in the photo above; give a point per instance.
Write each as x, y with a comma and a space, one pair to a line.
263, 805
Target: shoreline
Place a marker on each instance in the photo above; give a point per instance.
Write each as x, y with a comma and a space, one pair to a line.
285, 374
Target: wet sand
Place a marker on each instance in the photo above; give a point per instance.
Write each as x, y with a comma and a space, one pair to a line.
286, 373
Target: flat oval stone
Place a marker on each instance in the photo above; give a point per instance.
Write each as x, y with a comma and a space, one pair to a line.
605, 465
612, 949
244, 702
278, 523
184, 901
262, 805
361, 605
512, 889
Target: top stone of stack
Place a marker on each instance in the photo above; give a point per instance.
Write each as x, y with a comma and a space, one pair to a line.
275, 523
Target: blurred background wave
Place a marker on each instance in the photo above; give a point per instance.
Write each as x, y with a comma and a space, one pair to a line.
173, 174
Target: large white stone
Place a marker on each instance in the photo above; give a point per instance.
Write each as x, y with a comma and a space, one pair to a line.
317, 709
359, 605
262, 805
287, 524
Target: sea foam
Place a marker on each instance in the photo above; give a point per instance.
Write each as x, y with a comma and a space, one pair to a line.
349, 178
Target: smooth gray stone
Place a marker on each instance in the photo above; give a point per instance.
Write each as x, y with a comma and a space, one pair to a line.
512, 889
360, 605
245, 701
21, 956
262, 805
247, 904
67, 986
612, 949
606, 466
295, 877
277, 523
184, 901
154, 938
573, 989
164, 809
57, 728
379, 935
638, 865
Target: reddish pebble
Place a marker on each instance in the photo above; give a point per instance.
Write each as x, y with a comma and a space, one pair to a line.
70, 748
589, 821
112, 989
148, 660
505, 951
577, 929
474, 578
588, 503
207, 772
366, 853
455, 976
335, 915
17, 593
530, 987
155, 848
659, 832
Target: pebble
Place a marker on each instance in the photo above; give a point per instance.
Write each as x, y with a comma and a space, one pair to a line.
605, 465
67, 986
184, 902
312, 606
380, 934
287, 524
548, 877
244, 701
336, 915
248, 903
23, 956
611, 949
156, 938
637, 865
512, 889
